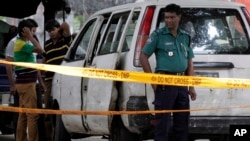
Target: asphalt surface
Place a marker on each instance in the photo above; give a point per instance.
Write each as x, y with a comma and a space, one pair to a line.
7, 138
97, 138
11, 138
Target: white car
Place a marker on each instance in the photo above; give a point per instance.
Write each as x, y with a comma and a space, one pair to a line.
113, 39
204, 49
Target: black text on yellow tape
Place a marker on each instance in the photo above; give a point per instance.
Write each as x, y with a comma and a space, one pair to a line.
140, 77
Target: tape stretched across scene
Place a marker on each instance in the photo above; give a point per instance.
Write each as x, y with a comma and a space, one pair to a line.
80, 112
129, 76
140, 77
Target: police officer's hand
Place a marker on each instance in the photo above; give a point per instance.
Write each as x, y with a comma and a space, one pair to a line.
192, 93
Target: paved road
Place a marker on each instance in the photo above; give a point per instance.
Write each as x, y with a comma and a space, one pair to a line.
11, 138
98, 138
6, 137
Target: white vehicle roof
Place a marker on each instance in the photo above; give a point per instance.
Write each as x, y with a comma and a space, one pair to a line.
183, 3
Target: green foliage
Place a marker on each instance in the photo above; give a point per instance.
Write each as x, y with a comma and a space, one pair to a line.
2, 18
78, 21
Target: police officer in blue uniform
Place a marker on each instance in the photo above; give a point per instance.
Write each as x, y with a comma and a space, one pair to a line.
171, 46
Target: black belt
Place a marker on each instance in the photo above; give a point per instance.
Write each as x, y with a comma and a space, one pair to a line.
171, 73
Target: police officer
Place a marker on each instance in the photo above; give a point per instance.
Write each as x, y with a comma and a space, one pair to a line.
171, 46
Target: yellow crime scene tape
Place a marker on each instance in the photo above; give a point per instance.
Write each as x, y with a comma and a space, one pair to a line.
78, 112
128, 76
140, 77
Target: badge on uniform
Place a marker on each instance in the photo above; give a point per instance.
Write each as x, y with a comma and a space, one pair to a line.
149, 40
169, 43
170, 53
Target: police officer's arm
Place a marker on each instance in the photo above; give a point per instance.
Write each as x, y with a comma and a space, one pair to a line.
147, 51
146, 66
190, 72
145, 63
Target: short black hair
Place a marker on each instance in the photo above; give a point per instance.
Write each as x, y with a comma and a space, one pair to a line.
33, 22
50, 24
22, 24
173, 8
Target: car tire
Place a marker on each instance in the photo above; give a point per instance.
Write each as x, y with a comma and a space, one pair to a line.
60, 132
120, 133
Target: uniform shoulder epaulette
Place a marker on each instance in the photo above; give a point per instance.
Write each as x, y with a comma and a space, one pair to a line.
184, 32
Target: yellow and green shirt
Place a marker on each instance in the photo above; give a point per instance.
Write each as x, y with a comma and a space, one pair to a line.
23, 52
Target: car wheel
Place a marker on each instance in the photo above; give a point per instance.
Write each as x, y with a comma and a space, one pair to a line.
120, 133
60, 132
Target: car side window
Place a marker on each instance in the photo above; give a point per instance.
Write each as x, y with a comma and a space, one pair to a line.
78, 52
113, 33
130, 31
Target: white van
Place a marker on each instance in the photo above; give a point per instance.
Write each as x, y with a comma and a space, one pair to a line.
113, 38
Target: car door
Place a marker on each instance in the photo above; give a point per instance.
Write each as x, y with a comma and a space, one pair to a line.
71, 86
99, 93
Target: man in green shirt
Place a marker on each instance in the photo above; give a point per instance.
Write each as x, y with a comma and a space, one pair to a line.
26, 81
171, 46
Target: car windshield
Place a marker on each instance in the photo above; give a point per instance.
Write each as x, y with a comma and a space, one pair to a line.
215, 31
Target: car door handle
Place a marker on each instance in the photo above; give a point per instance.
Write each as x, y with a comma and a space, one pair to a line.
221, 65
85, 87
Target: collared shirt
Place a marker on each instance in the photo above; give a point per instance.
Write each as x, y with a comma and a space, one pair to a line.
54, 53
9, 52
10, 48
172, 53
23, 52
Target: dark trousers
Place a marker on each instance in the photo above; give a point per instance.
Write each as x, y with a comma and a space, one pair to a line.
171, 98
40, 124
48, 118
